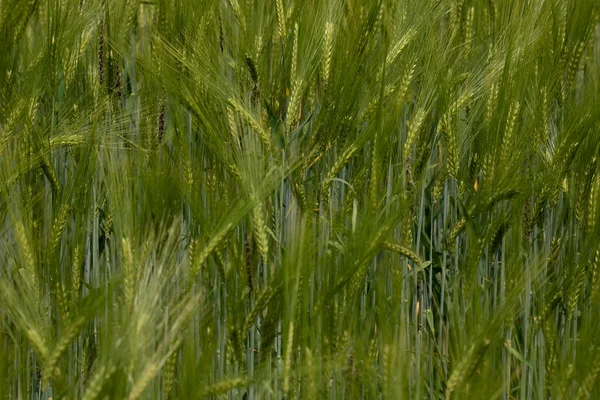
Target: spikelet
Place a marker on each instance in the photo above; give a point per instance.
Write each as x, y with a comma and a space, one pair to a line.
261, 302
583, 195
66, 140
508, 138
169, 374
28, 257
193, 251
387, 92
237, 12
292, 111
585, 390
477, 246
234, 171
132, 13
487, 169
413, 131
50, 367
351, 201
464, 370
491, 103
551, 361
575, 290
463, 100
562, 28
327, 53
220, 262
49, 173
547, 311
374, 349
402, 250
96, 383
311, 388
311, 100
527, 222
208, 249
14, 116
260, 231
566, 381
128, 272
387, 371
74, 62
258, 47
456, 14
399, 46
574, 64
188, 174
544, 132
58, 228
108, 222
374, 178
252, 121
150, 371
564, 156
378, 23
595, 292
38, 343
63, 304
592, 206
358, 278
280, 18
225, 386
33, 111
76, 274
288, 359
211, 186
342, 344
406, 81
300, 296
236, 344
335, 170
294, 67
407, 225
447, 129
469, 30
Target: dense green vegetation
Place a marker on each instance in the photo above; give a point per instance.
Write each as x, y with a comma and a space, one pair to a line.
310, 199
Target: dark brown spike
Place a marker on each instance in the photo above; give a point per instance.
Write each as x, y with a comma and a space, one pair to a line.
161, 118
118, 84
101, 52
249, 263
221, 36
252, 69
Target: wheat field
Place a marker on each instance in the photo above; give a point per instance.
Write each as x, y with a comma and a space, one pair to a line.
285, 199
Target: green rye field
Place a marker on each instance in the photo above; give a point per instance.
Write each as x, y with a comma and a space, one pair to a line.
299, 199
